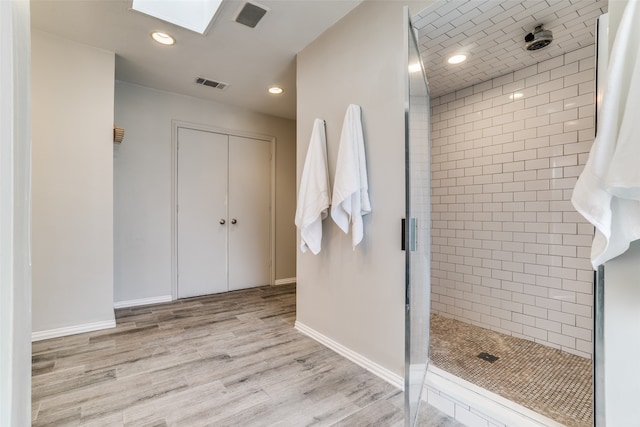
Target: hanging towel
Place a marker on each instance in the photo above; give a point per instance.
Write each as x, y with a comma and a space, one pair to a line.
350, 188
607, 193
313, 197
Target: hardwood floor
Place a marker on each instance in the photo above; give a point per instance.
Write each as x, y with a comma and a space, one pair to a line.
230, 359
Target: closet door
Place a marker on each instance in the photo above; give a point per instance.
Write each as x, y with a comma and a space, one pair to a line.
202, 212
249, 213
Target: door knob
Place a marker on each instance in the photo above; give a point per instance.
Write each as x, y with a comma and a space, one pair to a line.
234, 221
222, 221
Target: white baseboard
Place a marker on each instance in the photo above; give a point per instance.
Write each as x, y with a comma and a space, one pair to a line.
285, 281
473, 405
72, 330
142, 301
356, 358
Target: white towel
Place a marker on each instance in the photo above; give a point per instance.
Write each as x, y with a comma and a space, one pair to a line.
607, 193
350, 188
314, 197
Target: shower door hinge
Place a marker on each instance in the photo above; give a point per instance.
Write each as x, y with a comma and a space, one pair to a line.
412, 237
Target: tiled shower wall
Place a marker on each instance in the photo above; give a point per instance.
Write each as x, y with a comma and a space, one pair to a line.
509, 251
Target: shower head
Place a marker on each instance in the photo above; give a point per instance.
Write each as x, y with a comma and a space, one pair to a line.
538, 39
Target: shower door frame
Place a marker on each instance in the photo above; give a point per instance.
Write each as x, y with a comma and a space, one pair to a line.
417, 225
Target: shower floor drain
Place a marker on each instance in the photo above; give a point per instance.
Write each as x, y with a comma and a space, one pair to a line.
488, 357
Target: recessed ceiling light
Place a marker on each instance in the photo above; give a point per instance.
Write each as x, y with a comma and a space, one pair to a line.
457, 59
275, 90
163, 38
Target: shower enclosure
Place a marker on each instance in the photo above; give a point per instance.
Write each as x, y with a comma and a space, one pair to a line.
512, 296
416, 226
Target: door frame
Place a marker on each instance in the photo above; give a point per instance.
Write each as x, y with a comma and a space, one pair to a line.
175, 125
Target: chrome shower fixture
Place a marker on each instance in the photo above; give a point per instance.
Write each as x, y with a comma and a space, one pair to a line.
538, 39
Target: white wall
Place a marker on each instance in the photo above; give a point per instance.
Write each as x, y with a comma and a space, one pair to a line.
142, 183
621, 333
621, 313
285, 232
15, 266
72, 113
356, 298
510, 253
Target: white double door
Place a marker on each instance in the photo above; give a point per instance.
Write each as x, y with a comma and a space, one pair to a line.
223, 194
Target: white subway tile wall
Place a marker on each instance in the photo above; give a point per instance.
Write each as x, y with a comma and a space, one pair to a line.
509, 251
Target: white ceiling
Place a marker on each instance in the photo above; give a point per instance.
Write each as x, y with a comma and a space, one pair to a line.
493, 31
249, 60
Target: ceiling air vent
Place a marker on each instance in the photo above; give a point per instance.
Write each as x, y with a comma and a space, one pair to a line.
211, 83
251, 14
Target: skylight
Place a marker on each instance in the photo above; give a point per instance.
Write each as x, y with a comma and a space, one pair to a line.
194, 15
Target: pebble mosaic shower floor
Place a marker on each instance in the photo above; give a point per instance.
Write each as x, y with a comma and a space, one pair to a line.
548, 381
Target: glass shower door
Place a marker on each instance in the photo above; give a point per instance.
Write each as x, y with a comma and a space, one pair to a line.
416, 227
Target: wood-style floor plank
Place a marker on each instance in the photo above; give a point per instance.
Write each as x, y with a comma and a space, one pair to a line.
230, 359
